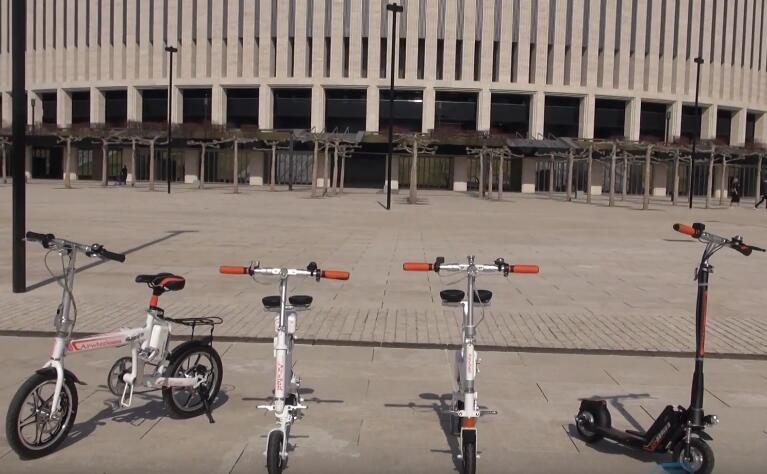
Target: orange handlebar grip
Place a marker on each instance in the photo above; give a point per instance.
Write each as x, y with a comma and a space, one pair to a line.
417, 267
335, 274
523, 269
230, 270
685, 229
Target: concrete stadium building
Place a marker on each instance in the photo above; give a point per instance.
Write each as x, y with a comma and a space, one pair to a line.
588, 69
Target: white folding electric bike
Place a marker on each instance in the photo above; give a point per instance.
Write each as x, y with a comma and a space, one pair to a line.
43, 410
465, 407
288, 404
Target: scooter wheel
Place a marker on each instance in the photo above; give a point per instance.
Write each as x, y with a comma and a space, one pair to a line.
586, 420
469, 458
701, 457
274, 462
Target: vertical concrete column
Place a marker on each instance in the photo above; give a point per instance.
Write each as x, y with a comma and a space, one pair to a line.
318, 108
28, 163
760, 129
660, 172
265, 107
63, 108
191, 165
7, 112
256, 168
372, 109
676, 120
218, 105
97, 105
528, 175
460, 173
483, 110
429, 109
537, 108
134, 104
587, 112
633, 116
718, 188
738, 128
177, 112
708, 122
35, 113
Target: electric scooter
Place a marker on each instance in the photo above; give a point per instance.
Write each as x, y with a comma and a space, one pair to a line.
679, 430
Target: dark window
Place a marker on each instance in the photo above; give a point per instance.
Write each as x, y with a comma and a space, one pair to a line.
408, 111
510, 114
196, 105
689, 121
750, 128
402, 56
561, 116
364, 61
455, 110
723, 123
609, 118
458, 59
154, 105
652, 122
292, 109
116, 107
81, 107
382, 56
242, 107
421, 57
440, 58
345, 109
48, 100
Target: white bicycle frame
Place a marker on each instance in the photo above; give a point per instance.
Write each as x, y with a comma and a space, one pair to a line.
139, 338
285, 381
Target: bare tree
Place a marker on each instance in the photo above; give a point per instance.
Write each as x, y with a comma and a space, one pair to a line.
647, 177
68, 139
204, 146
415, 144
3, 143
109, 137
481, 153
675, 192
710, 181
613, 157
345, 150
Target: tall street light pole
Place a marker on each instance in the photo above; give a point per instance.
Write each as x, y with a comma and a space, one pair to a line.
19, 123
394, 8
699, 62
170, 50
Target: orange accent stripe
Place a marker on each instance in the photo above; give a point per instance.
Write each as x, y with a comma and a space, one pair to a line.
469, 422
154, 300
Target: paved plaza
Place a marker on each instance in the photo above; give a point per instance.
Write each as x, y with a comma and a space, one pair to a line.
614, 279
380, 410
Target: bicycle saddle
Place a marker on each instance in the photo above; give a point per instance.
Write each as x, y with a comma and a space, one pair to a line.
273, 302
163, 281
456, 296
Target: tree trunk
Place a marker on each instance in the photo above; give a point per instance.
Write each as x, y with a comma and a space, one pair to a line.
133, 163
482, 175
326, 175
588, 176
676, 178
570, 159
201, 182
710, 181
67, 161
314, 167
500, 177
5, 177
722, 181
759, 189
551, 176
625, 177
104, 177
273, 171
343, 172
151, 165
413, 198
612, 176
490, 178
236, 171
334, 186
647, 178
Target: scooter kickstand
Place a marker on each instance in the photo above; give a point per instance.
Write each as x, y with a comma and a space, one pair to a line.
123, 403
202, 390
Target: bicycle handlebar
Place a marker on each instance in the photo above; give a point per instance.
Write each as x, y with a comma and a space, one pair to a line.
311, 270
231, 270
417, 267
499, 265
334, 274
50, 241
698, 231
531, 269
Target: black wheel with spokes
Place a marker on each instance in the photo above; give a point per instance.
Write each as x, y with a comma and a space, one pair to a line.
31, 428
274, 462
469, 458
701, 459
120, 368
187, 402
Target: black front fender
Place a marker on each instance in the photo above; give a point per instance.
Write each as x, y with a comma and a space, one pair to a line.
69, 375
702, 434
469, 436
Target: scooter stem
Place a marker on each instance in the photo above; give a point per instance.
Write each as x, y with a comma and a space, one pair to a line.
696, 395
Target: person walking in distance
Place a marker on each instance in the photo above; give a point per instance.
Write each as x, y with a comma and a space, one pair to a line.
735, 192
764, 195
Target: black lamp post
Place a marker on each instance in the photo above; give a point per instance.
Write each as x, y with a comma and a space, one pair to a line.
699, 62
394, 8
18, 125
170, 50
